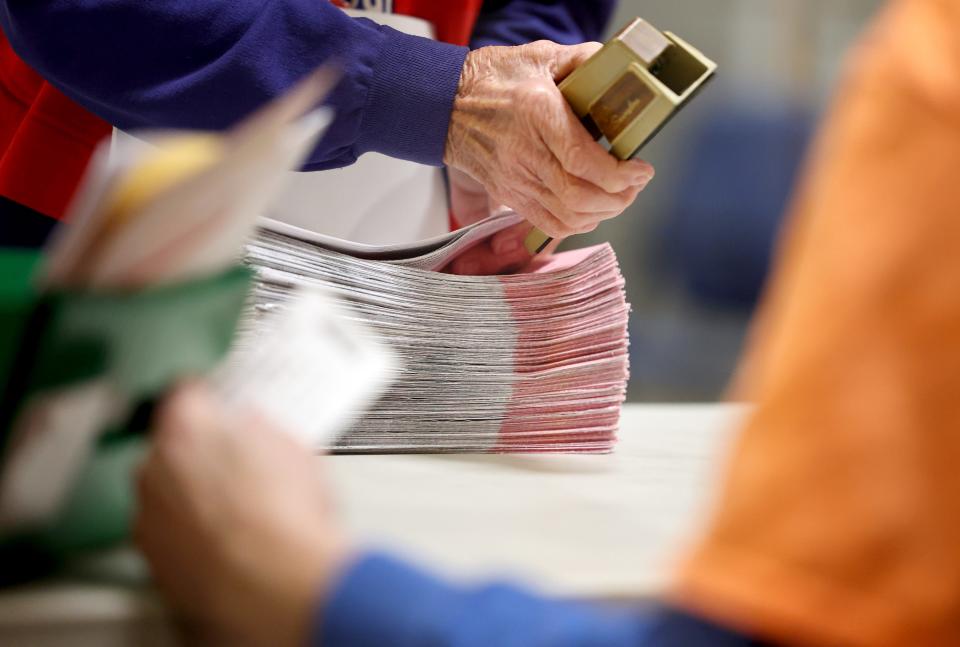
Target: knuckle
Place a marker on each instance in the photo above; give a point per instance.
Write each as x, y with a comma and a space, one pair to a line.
568, 217
576, 159
576, 196
586, 220
622, 202
540, 48
536, 95
612, 184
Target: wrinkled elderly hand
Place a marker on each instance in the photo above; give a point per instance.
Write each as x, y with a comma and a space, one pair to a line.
513, 132
234, 521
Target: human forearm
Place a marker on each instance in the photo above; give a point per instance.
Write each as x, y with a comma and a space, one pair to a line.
190, 64
381, 601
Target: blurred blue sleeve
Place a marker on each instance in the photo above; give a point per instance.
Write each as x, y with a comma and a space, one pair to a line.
568, 22
207, 63
381, 601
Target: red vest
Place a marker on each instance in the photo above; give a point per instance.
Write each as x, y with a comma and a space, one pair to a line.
46, 139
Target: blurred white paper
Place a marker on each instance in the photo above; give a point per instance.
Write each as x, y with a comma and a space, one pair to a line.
311, 370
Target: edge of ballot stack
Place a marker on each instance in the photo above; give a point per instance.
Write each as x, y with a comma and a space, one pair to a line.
530, 362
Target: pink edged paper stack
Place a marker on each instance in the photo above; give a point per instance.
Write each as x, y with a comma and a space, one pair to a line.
531, 362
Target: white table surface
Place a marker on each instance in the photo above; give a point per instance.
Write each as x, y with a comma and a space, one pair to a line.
593, 527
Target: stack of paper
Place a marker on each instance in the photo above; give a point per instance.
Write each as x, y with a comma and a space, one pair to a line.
535, 361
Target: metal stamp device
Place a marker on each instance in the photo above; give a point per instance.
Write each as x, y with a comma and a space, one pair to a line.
626, 92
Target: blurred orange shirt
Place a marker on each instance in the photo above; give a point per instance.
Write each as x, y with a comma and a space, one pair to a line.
839, 522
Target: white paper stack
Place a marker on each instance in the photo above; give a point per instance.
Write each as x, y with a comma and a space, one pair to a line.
531, 362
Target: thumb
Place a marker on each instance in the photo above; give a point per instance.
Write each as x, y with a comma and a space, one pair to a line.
570, 57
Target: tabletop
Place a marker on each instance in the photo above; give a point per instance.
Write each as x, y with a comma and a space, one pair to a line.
607, 527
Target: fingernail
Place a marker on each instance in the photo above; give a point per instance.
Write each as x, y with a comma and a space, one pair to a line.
507, 246
467, 267
643, 172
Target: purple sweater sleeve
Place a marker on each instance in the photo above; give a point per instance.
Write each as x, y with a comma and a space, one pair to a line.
206, 63
568, 22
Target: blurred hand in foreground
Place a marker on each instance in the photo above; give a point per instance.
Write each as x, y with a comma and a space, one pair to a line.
235, 522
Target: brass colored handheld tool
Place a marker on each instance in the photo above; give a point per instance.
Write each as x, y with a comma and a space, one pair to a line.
626, 92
